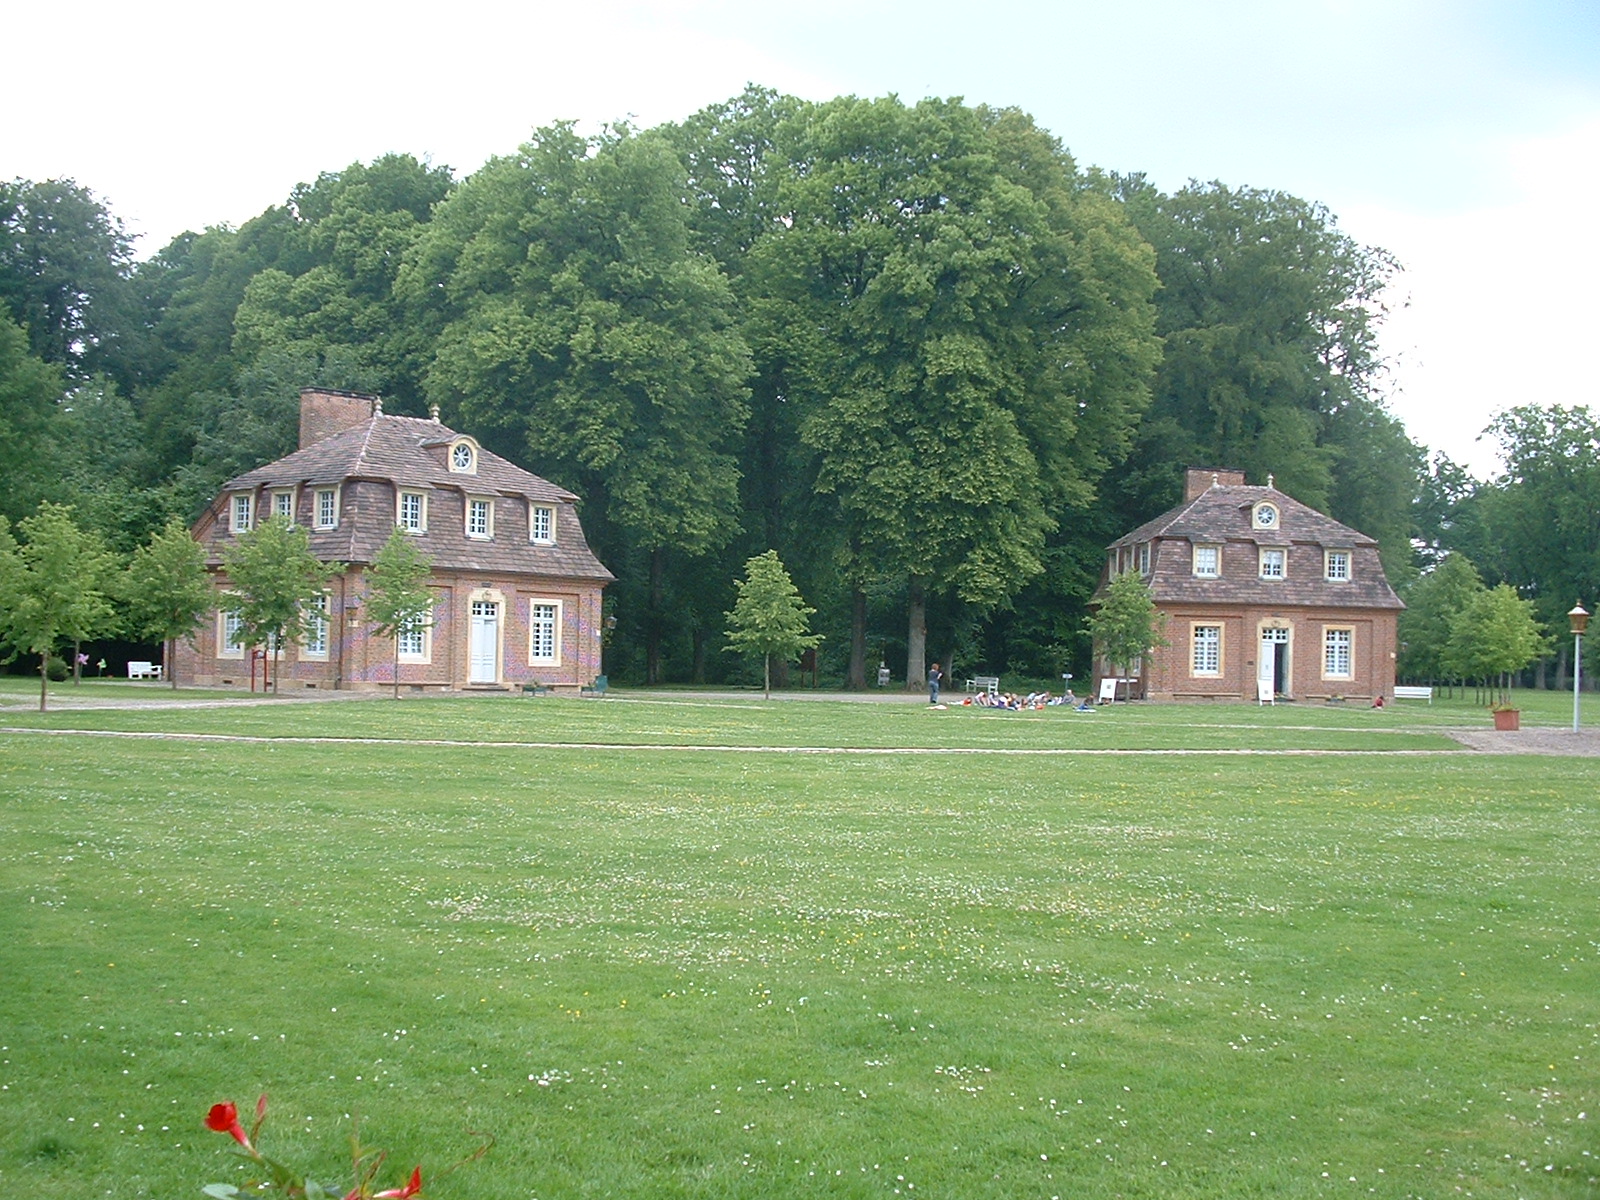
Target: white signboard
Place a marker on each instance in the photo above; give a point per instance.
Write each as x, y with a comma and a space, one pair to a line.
1108, 689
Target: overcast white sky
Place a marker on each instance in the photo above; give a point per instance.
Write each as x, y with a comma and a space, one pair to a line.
1464, 136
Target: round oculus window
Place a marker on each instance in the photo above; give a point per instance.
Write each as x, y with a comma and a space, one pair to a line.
1266, 516
461, 457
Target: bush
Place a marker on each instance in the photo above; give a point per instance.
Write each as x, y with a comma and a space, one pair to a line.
56, 669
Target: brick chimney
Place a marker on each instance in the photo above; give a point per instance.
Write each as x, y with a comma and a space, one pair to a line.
1198, 479
325, 412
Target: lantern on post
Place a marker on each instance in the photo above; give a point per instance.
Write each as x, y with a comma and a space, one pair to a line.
1579, 619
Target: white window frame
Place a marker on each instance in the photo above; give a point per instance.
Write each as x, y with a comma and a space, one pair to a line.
487, 532
542, 524
1211, 666
1336, 566
314, 643
550, 655
415, 640
1216, 561
325, 515
241, 511
228, 627
1143, 552
420, 525
1258, 519
1273, 556
283, 503
463, 458
1338, 650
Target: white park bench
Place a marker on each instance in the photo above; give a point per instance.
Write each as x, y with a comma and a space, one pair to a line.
1414, 693
144, 670
984, 683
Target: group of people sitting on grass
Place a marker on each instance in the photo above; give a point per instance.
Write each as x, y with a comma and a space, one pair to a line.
1033, 701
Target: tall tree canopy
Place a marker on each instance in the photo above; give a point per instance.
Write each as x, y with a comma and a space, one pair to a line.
1269, 317
965, 330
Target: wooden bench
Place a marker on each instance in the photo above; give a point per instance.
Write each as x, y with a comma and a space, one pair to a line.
984, 683
144, 670
1414, 693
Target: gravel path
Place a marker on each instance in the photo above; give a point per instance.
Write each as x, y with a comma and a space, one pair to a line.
1583, 744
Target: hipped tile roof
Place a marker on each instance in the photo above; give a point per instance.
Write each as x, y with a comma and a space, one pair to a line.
1221, 516
408, 452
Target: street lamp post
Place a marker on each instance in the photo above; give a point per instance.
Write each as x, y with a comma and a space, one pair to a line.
1579, 619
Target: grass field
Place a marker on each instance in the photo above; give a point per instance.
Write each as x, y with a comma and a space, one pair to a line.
997, 966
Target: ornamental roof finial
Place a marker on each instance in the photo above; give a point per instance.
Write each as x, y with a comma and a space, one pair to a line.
1269, 478
433, 413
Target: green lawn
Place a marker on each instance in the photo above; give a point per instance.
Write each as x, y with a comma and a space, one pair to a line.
651, 972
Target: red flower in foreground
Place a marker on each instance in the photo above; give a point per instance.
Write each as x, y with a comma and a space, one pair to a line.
412, 1187
224, 1118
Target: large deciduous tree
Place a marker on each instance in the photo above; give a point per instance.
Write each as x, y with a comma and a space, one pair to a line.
1269, 317
964, 327
1496, 635
64, 267
583, 331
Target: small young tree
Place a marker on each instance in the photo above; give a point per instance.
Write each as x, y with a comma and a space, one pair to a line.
1126, 626
398, 597
53, 586
167, 590
278, 579
1495, 635
769, 618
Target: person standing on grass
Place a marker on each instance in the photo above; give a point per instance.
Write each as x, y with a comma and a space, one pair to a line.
934, 676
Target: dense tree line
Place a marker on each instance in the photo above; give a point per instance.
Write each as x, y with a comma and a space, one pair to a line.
916, 349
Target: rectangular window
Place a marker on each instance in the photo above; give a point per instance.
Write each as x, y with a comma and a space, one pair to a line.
1207, 655
416, 640
230, 634
1208, 561
1338, 564
480, 518
241, 512
544, 628
541, 524
1273, 563
413, 515
327, 508
315, 642
1336, 645
283, 505
1144, 558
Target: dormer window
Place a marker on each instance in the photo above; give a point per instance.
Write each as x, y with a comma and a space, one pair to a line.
463, 460
241, 512
1144, 558
1274, 563
480, 517
541, 524
1265, 516
1337, 565
1207, 562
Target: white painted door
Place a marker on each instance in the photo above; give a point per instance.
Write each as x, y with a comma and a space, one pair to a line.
483, 646
1268, 685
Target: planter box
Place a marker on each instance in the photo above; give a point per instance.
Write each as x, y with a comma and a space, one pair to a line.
1508, 719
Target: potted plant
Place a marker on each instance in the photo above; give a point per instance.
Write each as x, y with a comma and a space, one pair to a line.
1506, 718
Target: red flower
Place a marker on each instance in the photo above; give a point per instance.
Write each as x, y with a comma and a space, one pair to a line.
412, 1187
224, 1118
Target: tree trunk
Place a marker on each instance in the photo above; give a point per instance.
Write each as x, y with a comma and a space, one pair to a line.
856, 680
77, 669
169, 656
766, 664
916, 637
397, 664
652, 634
44, 678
